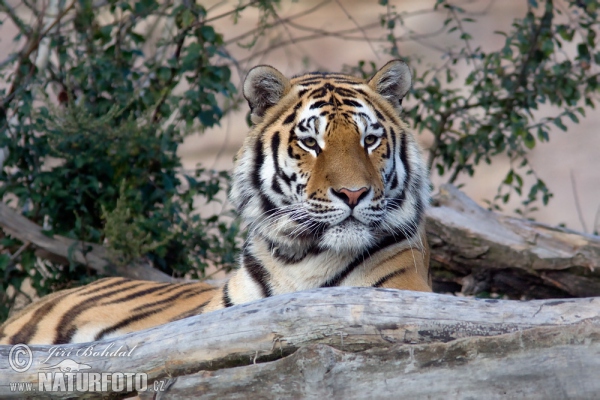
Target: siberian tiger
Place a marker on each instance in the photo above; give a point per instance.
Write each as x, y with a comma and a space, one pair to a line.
332, 186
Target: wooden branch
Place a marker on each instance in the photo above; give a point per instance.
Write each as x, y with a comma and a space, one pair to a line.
479, 250
350, 319
62, 248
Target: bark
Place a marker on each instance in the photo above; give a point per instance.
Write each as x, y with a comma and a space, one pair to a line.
542, 363
402, 332
475, 250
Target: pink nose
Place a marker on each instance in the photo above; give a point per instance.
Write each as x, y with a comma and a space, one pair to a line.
351, 197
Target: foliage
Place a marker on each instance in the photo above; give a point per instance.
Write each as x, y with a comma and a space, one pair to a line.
546, 59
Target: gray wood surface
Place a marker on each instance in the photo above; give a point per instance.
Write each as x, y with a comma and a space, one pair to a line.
348, 319
541, 363
482, 250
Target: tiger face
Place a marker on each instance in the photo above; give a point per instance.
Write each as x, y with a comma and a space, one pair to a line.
329, 164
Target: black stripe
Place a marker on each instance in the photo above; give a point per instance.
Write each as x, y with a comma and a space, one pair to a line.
346, 92
258, 162
125, 322
226, 299
179, 294
388, 150
65, 327
404, 159
275, 141
318, 104
382, 244
192, 312
394, 184
288, 179
29, 329
128, 321
174, 286
318, 93
139, 293
258, 273
378, 113
276, 187
259, 158
309, 82
290, 118
399, 200
296, 256
389, 276
352, 103
394, 144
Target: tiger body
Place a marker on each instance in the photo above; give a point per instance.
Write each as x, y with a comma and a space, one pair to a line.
332, 186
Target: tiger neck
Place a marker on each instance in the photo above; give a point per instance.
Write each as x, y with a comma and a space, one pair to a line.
300, 266
277, 268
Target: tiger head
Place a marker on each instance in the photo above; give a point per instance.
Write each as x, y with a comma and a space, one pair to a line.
329, 164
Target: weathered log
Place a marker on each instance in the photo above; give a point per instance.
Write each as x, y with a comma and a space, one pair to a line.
475, 250
541, 363
59, 248
350, 319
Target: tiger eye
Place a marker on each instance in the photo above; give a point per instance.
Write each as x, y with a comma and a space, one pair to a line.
370, 140
309, 142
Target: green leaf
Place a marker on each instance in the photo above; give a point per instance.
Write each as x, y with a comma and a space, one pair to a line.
558, 122
4, 261
529, 141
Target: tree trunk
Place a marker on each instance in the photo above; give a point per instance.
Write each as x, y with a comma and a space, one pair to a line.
408, 336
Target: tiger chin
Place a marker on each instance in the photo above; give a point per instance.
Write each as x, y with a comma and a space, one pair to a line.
332, 186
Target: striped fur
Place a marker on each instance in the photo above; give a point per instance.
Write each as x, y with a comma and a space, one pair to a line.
332, 186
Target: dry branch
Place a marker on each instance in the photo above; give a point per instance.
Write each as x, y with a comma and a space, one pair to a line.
350, 319
59, 248
476, 250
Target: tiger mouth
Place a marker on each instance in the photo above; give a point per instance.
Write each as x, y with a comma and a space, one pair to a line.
351, 223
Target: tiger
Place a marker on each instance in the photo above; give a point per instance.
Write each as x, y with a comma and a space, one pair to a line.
332, 187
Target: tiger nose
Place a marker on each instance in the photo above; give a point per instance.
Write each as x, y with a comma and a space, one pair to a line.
351, 197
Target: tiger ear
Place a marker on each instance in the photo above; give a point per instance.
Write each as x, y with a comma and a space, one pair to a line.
392, 82
263, 88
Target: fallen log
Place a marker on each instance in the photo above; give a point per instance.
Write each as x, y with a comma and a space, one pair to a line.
61, 249
349, 319
541, 363
474, 250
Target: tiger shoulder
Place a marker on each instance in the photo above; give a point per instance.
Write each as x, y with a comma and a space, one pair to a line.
332, 186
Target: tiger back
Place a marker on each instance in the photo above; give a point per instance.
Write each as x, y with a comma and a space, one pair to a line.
332, 187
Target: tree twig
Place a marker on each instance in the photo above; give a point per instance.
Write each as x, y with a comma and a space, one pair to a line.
577, 202
351, 18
